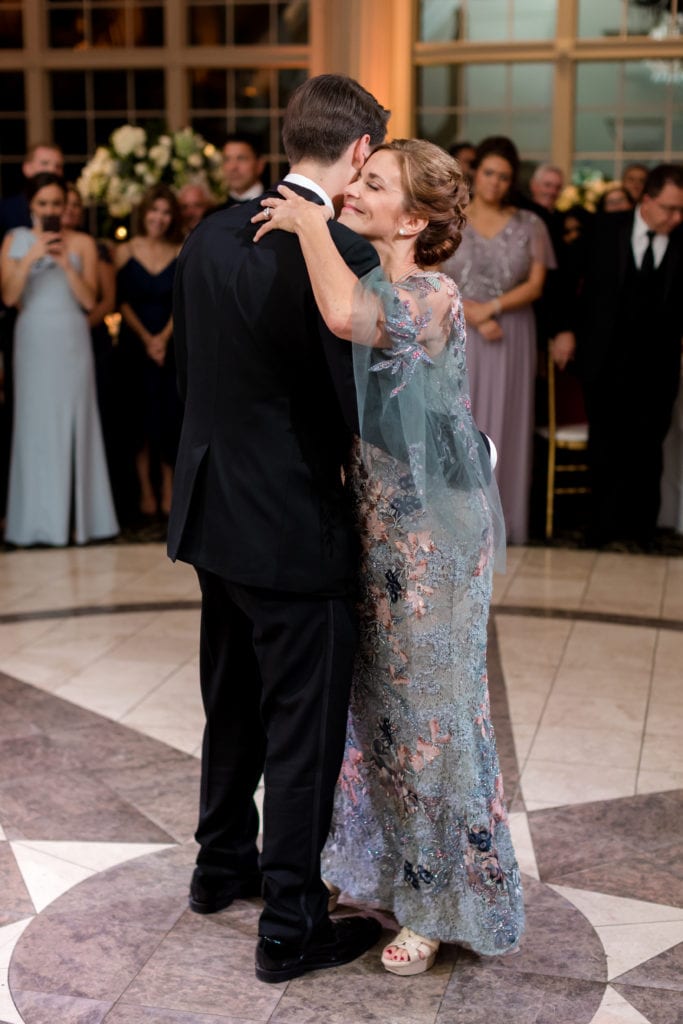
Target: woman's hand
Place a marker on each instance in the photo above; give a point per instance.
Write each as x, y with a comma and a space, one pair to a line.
155, 347
477, 313
287, 214
44, 245
491, 330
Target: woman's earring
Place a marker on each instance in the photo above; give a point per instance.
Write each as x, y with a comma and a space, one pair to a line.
401, 231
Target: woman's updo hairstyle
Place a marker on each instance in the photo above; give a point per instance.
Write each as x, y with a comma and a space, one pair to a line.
501, 146
435, 188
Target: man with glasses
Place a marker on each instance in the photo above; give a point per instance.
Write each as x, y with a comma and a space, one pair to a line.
629, 349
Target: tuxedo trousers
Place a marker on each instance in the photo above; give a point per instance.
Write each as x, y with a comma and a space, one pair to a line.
275, 673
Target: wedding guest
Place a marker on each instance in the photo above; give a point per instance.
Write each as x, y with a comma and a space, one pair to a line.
464, 153
108, 401
614, 199
15, 212
633, 179
500, 268
545, 186
629, 350
195, 202
243, 167
145, 271
420, 825
58, 461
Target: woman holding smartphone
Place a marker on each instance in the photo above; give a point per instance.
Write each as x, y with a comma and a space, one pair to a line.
57, 465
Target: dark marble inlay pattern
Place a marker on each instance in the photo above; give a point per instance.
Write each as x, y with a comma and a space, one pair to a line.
558, 941
362, 992
169, 797
500, 716
16, 902
125, 1013
39, 1008
657, 1006
81, 611
627, 847
480, 994
662, 971
72, 807
91, 942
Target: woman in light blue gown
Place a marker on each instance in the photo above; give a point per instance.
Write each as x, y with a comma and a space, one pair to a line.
58, 471
420, 824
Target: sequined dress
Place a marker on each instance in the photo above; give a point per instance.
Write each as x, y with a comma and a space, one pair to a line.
420, 825
502, 373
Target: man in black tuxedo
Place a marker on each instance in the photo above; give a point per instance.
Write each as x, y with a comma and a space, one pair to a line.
260, 510
629, 350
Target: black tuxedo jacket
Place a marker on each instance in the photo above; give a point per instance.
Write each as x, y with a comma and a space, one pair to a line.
14, 213
603, 318
269, 410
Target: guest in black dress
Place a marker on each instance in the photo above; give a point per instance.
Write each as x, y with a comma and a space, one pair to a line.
146, 268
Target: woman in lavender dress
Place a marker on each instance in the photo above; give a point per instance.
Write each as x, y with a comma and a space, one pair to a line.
500, 269
420, 824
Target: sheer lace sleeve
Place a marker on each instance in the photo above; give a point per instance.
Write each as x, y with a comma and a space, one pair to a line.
541, 245
413, 398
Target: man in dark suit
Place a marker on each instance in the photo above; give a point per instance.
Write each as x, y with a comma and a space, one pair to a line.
629, 349
260, 510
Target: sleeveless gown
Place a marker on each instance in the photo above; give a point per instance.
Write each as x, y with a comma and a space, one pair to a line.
58, 460
420, 825
155, 412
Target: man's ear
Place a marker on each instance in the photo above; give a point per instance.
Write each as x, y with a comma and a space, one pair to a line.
260, 166
361, 151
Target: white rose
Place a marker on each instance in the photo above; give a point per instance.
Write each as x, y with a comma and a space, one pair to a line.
120, 208
194, 160
160, 155
140, 169
128, 139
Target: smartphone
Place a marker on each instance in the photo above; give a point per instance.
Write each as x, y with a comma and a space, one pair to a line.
52, 222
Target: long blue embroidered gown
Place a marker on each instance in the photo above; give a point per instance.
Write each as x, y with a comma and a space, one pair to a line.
420, 824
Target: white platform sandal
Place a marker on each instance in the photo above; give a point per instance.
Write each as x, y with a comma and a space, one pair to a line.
421, 953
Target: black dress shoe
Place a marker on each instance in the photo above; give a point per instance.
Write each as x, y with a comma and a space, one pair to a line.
342, 941
208, 896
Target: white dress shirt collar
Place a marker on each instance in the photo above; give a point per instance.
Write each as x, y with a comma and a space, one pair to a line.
313, 186
254, 192
639, 240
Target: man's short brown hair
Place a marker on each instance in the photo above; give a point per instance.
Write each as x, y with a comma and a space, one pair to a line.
326, 114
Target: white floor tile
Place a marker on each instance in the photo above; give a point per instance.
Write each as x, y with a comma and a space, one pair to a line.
8, 1011
553, 784
9, 936
46, 877
91, 856
614, 1009
523, 844
629, 945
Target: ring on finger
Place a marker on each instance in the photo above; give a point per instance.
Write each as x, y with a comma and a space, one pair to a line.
267, 212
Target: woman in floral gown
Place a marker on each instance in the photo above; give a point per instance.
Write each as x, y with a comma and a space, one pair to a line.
420, 824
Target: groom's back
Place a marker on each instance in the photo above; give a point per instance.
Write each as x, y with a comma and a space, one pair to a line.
258, 496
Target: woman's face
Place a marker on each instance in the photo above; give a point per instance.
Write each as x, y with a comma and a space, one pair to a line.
492, 180
158, 218
374, 201
616, 201
72, 216
572, 229
48, 201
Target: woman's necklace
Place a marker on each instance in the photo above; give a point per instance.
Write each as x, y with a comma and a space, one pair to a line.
407, 273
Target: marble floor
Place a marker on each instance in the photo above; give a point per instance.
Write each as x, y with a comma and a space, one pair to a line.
100, 725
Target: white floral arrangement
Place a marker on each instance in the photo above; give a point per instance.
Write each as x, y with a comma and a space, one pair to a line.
119, 174
585, 190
